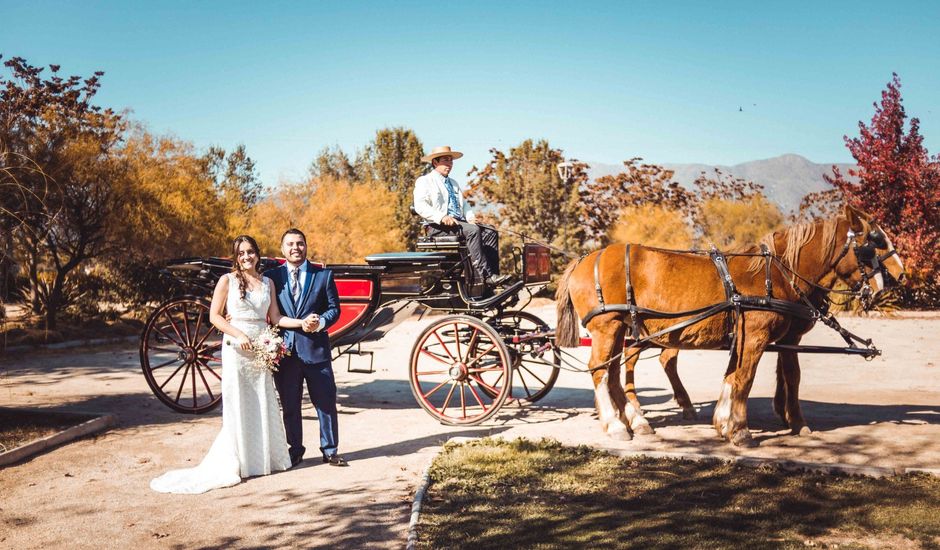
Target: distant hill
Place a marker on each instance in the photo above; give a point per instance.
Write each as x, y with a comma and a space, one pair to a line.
786, 179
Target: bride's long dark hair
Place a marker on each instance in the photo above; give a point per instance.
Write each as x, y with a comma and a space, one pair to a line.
236, 266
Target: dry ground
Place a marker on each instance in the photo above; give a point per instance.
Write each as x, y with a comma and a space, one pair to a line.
94, 492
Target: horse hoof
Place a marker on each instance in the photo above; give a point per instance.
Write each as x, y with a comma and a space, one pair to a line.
619, 434
803, 431
742, 438
688, 413
644, 429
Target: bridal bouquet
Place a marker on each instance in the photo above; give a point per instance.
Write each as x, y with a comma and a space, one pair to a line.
269, 349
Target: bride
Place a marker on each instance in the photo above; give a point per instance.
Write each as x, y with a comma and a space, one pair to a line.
252, 440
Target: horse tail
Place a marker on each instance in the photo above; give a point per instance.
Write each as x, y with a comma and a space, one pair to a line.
566, 333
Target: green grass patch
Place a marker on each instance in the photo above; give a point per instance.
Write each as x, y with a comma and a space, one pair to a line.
523, 494
18, 428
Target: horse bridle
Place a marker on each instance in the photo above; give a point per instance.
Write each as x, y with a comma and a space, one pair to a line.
866, 256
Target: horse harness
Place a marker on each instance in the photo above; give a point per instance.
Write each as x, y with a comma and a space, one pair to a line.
737, 303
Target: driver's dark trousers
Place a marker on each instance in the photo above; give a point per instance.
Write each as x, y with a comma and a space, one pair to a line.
482, 244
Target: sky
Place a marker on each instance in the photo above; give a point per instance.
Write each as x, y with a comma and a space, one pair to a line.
672, 82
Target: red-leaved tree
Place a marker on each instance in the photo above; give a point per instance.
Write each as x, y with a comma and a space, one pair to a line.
898, 183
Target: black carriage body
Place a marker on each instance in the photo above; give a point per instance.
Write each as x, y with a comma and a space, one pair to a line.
180, 351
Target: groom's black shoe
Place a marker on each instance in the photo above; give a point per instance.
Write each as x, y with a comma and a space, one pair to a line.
294, 461
335, 460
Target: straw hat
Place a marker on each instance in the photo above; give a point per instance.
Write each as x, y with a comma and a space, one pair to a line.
442, 151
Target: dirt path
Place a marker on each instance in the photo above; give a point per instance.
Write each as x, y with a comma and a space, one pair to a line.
94, 492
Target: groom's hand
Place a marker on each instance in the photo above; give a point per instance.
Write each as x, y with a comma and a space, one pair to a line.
310, 323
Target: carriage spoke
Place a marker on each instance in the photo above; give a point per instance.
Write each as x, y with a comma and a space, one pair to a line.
525, 386
166, 313
196, 329
205, 383
182, 383
171, 376
158, 348
476, 395
457, 340
484, 385
167, 336
521, 366
446, 350
186, 324
481, 356
463, 402
449, 394
209, 330
193, 375
437, 387
474, 341
174, 360
434, 356
206, 365
431, 372
486, 369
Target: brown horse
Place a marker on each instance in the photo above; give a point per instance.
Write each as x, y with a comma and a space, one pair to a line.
845, 248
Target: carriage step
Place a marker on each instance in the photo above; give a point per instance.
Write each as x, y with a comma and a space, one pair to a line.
361, 353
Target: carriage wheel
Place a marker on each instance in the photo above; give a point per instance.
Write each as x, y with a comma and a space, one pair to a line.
535, 362
180, 354
450, 365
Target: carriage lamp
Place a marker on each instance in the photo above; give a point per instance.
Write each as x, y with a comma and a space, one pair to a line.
564, 170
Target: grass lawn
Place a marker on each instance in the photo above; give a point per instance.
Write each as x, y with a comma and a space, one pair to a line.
524, 494
20, 427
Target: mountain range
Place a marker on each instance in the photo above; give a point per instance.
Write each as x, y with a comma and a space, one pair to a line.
786, 179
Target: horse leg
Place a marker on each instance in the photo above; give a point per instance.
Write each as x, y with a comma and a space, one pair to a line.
669, 359
731, 409
787, 406
632, 410
608, 396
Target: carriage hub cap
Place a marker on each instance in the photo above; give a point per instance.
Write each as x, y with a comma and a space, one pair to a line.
458, 371
188, 354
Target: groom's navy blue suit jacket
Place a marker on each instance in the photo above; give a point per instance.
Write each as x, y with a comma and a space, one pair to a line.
318, 296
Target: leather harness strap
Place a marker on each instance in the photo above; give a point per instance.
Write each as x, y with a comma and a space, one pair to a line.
597, 283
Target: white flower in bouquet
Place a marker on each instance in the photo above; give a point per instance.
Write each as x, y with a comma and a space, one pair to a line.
269, 349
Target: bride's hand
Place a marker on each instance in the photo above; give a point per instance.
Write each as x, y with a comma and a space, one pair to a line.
244, 342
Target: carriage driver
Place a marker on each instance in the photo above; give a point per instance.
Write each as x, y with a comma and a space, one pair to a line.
439, 200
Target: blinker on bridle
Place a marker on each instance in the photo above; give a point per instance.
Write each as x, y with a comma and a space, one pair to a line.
866, 256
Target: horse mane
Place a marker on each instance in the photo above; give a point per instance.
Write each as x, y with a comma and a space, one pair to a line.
796, 238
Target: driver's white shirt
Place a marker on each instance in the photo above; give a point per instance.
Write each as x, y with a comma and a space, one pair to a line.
431, 198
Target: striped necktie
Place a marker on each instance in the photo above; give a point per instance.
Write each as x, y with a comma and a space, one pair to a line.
453, 204
295, 284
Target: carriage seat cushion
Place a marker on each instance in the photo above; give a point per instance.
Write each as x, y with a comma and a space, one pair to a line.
441, 239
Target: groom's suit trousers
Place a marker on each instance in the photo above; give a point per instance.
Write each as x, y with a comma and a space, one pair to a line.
321, 386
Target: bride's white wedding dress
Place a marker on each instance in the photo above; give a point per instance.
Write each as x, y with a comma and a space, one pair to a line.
252, 440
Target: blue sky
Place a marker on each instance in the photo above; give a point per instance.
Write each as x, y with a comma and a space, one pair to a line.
605, 81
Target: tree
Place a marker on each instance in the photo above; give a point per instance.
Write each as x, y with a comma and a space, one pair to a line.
727, 223
343, 221
898, 183
52, 124
522, 191
653, 225
236, 182
393, 160
639, 184
174, 206
333, 163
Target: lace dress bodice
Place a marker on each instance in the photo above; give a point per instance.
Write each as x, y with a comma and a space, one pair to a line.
253, 307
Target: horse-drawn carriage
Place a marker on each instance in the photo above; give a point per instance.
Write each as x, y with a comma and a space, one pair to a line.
463, 367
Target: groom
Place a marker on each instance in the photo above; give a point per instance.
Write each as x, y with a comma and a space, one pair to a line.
305, 291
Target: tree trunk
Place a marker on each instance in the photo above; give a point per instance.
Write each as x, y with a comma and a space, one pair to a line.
54, 300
